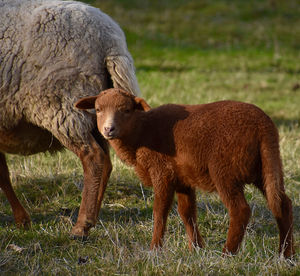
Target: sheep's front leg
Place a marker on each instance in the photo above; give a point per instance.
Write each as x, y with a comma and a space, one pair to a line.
96, 166
187, 209
107, 168
163, 198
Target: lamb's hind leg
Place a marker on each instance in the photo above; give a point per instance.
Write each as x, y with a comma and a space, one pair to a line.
188, 211
285, 225
239, 213
284, 222
21, 217
97, 167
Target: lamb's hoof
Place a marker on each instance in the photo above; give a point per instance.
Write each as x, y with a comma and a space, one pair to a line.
79, 238
289, 253
228, 254
79, 233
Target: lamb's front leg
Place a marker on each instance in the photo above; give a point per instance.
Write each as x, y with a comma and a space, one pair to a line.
187, 209
163, 198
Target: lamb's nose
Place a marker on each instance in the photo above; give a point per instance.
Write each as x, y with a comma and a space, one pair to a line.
109, 129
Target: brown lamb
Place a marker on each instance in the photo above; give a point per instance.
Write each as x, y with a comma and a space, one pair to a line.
217, 147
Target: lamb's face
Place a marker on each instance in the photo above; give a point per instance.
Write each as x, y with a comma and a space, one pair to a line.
116, 111
115, 114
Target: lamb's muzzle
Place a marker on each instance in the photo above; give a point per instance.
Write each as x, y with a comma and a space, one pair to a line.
109, 131
108, 126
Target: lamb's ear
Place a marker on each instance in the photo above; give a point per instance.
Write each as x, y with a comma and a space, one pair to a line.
141, 104
86, 103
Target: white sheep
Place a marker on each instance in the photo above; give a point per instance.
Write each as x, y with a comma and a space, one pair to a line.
51, 54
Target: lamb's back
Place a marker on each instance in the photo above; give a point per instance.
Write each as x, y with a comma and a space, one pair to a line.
205, 131
224, 136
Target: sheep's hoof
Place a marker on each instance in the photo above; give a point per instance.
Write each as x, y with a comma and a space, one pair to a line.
23, 221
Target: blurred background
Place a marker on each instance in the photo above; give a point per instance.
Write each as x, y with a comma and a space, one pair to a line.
204, 50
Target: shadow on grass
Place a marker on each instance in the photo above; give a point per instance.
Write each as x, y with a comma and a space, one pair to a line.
44, 218
50, 199
44, 198
59, 205
132, 215
165, 69
290, 123
232, 69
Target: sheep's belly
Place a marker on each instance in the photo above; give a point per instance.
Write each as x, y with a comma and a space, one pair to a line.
26, 139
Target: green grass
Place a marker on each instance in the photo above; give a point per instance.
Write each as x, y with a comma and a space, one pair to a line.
185, 52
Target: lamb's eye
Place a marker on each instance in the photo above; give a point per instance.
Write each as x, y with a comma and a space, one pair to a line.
126, 111
98, 110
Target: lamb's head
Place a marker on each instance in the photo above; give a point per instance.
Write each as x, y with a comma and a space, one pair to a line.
116, 111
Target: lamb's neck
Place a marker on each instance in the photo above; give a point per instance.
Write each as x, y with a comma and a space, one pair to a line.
126, 147
126, 151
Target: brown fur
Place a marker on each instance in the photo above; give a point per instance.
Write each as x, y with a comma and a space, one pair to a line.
217, 147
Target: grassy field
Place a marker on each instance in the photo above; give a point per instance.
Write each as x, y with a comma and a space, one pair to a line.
185, 51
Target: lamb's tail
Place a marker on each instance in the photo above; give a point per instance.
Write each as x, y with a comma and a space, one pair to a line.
272, 173
122, 73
